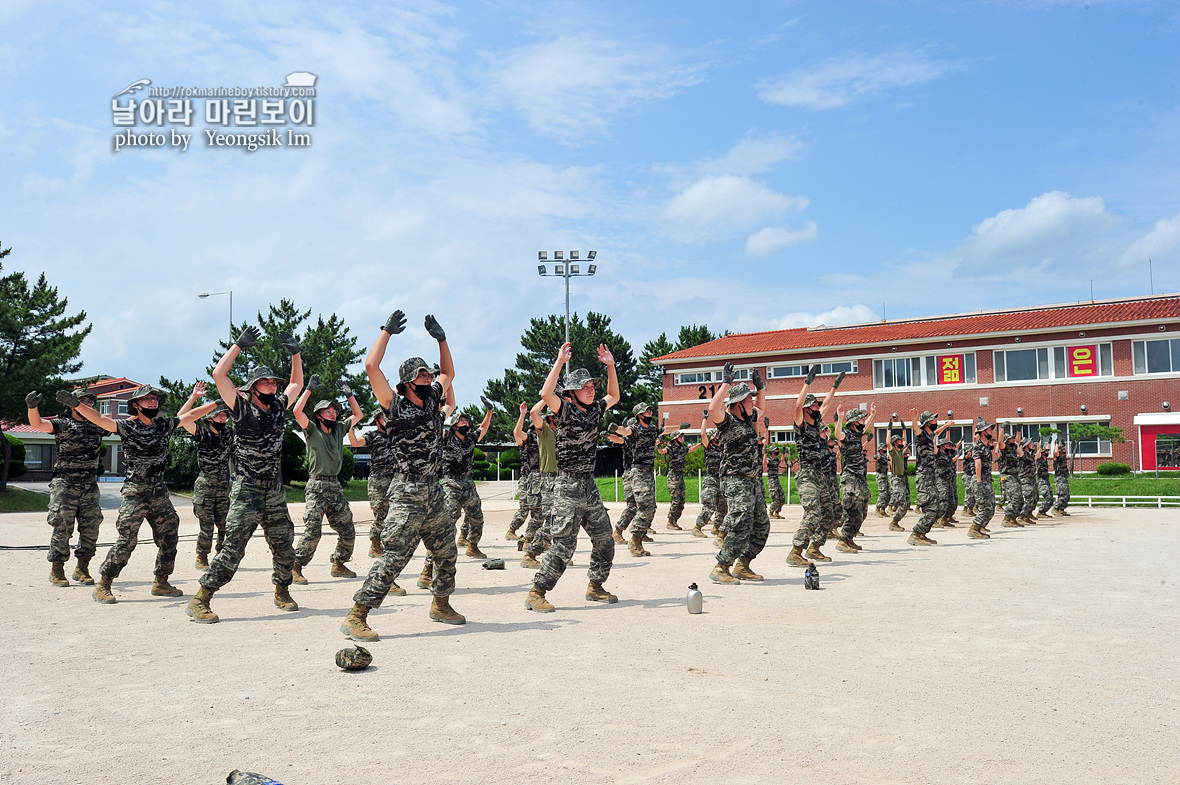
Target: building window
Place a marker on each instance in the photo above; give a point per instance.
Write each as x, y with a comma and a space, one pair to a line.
782, 437
104, 408
826, 369
1056, 362
1167, 451
928, 371
707, 377
37, 456
897, 372
1156, 356
123, 407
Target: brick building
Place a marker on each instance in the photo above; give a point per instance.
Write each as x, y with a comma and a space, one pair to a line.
1112, 362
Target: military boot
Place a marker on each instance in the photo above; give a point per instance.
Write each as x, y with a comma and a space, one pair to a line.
715, 531
376, 549
1012, 523
1063, 512
723, 576
339, 570
395, 590
920, 539
595, 593
441, 610
976, 532
881, 513
102, 592
950, 519
647, 536
57, 574
795, 557
696, 532
742, 571
674, 526
813, 553
426, 577
535, 601
846, 546
198, 607
719, 540
283, 599
462, 540
939, 523
82, 571
512, 535
474, 552
636, 546
162, 588
617, 536
529, 561
202, 562
356, 625
297, 575
894, 526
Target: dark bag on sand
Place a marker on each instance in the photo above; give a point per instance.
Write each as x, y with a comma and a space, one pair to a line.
249, 778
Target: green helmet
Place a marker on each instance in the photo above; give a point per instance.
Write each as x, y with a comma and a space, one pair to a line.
355, 658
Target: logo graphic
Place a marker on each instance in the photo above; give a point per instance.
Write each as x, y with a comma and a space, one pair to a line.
139, 84
300, 79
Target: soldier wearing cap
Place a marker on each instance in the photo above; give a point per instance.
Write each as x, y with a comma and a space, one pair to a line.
417, 507
677, 454
985, 449
145, 452
1061, 474
1028, 481
641, 440
458, 474
734, 412
881, 474
529, 485
1043, 487
256, 498
713, 505
812, 446
926, 433
1011, 495
899, 480
576, 500
830, 499
944, 476
965, 454
772, 464
850, 434
214, 440
380, 475
324, 494
538, 535
73, 490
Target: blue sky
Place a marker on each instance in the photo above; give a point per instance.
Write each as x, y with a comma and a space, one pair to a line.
746, 165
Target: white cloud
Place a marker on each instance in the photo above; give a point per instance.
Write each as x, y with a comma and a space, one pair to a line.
841, 80
774, 237
1161, 244
755, 155
728, 200
572, 87
1054, 230
841, 314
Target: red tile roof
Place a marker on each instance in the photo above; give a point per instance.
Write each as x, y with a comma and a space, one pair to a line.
22, 427
1034, 319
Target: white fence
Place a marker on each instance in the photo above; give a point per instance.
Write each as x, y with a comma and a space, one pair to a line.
1159, 502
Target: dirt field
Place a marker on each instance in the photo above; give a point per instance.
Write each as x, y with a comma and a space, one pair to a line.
1046, 655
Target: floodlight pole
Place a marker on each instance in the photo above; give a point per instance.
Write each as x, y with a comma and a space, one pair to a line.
204, 295
567, 273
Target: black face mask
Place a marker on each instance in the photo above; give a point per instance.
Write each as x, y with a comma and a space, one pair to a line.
329, 424
149, 413
462, 429
815, 414
266, 398
422, 391
215, 426
857, 429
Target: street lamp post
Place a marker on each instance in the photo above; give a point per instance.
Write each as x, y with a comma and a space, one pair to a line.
206, 295
567, 269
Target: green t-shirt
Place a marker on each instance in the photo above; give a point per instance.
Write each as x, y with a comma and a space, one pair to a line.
897, 463
325, 451
547, 446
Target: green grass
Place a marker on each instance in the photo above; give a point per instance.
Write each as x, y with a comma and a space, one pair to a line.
354, 491
20, 500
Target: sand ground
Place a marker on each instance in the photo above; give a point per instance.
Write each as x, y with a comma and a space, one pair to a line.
1046, 655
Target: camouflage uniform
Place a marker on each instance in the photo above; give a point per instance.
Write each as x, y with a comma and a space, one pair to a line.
417, 507
1061, 475
576, 500
853, 482
944, 476
677, 457
632, 507
777, 497
1046, 490
882, 477
73, 491
1028, 483
1011, 495
810, 482
145, 450
380, 474
641, 479
539, 532
969, 483
458, 482
211, 490
324, 495
985, 496
899, 483
529, 489
929, 500
712, 499
741, 479
830, 499
256, 497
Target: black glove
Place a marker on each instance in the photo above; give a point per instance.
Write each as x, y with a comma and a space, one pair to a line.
68, 399
705, 414
395, 323
33, 399
487, 405
811, 374
840, 378
728, 374
612, 429
248, 338
344, 389
290, 343
435, 329
314, 383
756, 377
684, 425
766, 421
